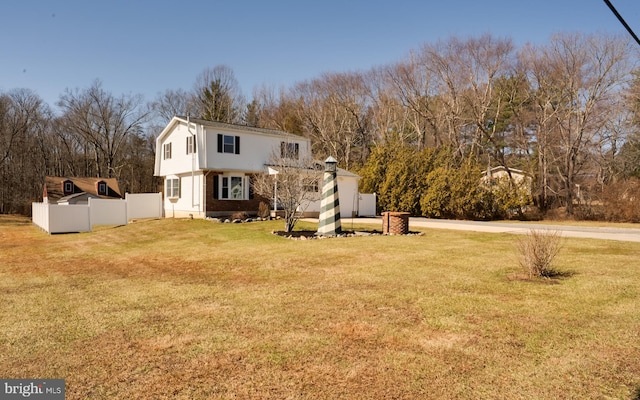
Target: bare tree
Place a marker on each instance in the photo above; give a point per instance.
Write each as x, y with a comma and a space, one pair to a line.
413, 85
172, 103
336, 112
218, 95
293, 180
23, 120
575, 78
443, 62
486, 62
103, 123
387, 113
277, 109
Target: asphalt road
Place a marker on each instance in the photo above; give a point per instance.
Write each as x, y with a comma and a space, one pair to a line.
608, 233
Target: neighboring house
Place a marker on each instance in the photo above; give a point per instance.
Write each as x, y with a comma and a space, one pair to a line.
208, 167
71, 190
495, 175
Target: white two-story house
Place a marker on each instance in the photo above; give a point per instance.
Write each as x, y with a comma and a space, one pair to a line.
207, 167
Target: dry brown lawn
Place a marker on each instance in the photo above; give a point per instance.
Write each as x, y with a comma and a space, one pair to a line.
189, 309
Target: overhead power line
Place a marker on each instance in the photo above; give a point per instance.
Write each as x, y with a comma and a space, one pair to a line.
622, 21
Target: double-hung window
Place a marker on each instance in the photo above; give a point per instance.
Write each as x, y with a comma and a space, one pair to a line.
172, 187
191, 144
289, 150
167, 151
228, 144
232, 188
311, 187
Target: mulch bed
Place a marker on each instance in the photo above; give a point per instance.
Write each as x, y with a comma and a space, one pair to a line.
310, 235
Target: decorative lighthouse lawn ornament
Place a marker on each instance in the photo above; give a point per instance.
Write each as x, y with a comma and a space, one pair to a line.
329, 222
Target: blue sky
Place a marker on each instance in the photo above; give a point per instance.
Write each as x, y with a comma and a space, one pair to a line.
148, 47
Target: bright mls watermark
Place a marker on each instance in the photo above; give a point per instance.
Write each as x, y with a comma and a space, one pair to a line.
41, 389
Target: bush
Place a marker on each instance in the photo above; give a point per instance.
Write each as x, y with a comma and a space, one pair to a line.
241, 215
538, 249
457, 193
621, 201
263, 210
511, 198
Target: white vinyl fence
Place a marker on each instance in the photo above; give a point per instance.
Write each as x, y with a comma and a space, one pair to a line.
367, 204
144, 205
56, 218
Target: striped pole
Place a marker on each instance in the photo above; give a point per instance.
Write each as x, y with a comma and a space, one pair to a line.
329, 221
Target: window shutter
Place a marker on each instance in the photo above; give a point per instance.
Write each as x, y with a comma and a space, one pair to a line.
250, 184
187, 146
219, 143
237, 144
215, 185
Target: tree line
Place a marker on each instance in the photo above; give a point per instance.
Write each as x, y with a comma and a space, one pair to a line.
419, 131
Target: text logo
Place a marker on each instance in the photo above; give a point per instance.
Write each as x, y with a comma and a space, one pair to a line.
39, 389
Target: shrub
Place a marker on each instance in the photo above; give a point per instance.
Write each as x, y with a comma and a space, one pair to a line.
511, 198
538, 249
621, 201
263, 210
457, 193
239, 215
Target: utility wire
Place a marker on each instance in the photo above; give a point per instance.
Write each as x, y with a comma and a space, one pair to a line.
622, 21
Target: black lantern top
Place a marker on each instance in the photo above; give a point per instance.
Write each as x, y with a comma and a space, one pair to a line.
330, 164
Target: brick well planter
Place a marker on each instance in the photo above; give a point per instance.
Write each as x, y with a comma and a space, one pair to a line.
395, 223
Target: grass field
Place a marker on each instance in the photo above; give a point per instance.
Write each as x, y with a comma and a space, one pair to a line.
189, 309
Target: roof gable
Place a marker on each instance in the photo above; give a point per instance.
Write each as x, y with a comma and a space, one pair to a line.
224, 126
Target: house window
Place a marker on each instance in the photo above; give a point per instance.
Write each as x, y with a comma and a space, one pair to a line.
172, 187
67, 187
311, 187
102, 188
167, 151
289, 150
228, 144
232, 188
191, 144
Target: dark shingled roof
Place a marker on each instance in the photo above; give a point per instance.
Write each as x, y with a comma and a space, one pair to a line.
223, 125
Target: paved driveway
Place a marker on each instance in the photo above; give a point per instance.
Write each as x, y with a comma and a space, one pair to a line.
608, 233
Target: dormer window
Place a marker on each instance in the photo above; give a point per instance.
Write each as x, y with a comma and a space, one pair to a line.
102, 188
67, 187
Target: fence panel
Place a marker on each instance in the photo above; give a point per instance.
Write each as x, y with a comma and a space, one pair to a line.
367, 205
144, 205
40, 215
68, 218
107, 212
